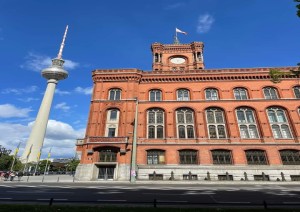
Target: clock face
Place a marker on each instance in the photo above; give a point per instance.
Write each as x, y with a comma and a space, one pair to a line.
177, 60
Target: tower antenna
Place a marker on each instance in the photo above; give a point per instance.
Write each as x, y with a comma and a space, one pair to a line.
59, 56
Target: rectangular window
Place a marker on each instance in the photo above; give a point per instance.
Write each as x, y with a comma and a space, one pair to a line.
113, 115
221, 157
155, 157
188, 157
111, 132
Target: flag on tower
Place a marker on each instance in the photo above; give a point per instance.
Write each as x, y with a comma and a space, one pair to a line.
180, 31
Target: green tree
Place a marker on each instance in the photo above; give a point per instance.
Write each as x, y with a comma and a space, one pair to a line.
6, 162
42, 165
276, 75
72, 165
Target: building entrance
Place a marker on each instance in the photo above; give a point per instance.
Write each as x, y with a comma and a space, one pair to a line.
106, 172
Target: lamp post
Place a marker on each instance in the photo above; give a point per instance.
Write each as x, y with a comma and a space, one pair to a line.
134, 143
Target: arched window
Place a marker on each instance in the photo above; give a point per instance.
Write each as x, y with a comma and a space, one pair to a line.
183, 95
247, 123
297, 92
188, 156
215, 123
112, 123
211, 94
256, 157
240, 93
279, 123
114, 94
221, 156
155, 123
155, 95
185, 123
270, 93
290, 157
155, 156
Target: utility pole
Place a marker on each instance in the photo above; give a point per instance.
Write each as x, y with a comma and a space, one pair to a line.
134, 144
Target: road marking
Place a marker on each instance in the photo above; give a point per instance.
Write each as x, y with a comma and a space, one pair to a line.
163, 194
234, 202
291, 203
111, 200
109, 192
37, 192
169, 201
5, 198
43, 199
60, 199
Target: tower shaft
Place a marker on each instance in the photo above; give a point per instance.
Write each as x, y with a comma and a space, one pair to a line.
36, 138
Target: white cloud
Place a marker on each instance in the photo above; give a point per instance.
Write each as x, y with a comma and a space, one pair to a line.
60, 136
86, 91
204, 23
9, 111
28, 99
19, 91
174, 6
36, 62
62, 106
12, 134
60, 92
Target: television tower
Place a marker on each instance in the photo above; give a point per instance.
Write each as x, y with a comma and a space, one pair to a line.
53, 74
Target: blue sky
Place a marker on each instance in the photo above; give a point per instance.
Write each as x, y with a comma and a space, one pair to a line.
118, 34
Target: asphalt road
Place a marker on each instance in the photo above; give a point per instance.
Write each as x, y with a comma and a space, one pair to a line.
182, 195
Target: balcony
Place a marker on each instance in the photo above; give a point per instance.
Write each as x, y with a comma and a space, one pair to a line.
79, 141
107, 140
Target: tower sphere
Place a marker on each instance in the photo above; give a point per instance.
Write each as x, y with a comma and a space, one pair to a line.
55, 71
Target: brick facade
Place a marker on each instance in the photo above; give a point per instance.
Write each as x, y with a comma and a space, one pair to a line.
181, 67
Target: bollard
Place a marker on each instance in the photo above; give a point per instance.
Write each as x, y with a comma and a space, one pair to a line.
190, 175
154, 203
227, 176
208, 176
51, 202
282, 176
172, 176
245, 175
27, 178
57, 179
263, 176
43, 179
154, 175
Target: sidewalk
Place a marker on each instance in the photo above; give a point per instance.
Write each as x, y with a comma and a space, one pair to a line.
71, 179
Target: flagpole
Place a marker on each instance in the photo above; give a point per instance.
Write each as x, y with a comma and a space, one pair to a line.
15, 155
27, 158
47, 161
38, 161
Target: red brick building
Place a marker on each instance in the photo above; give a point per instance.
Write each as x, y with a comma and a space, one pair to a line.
192, 123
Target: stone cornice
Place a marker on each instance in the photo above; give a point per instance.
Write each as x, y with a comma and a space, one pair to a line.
192, 75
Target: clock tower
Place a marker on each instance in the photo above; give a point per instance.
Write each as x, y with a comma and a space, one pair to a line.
177, 57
